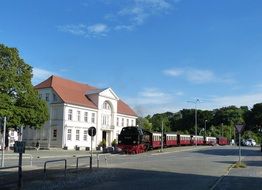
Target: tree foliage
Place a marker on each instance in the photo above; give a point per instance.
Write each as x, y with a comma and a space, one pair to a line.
218, 122
19, 100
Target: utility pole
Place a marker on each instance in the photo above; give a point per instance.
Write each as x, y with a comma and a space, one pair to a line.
205, 128
3, 144
162, 136
195, 102
222, 129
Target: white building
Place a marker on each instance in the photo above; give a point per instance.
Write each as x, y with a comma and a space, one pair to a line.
73, 108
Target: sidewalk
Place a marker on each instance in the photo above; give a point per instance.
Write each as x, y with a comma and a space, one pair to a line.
249, 178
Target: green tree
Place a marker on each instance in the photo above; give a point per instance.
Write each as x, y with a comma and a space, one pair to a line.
144, 123
157, 120
19, 100
256, 114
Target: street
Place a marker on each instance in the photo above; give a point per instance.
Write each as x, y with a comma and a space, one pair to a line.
176, 168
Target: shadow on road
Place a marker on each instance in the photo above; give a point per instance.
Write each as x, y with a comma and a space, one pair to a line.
119, 178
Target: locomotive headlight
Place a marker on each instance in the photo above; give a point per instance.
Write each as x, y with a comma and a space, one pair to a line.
134, 142
119, 142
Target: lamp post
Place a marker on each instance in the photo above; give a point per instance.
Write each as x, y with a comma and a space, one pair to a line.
222, 125
195, 102
205, 128
3, 143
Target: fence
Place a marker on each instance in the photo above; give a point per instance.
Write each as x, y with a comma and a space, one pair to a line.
53, 161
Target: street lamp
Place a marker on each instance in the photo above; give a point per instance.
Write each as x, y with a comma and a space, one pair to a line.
205, 128
195, 102
222, 125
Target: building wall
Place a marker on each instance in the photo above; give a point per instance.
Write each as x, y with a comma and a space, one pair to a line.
69, 124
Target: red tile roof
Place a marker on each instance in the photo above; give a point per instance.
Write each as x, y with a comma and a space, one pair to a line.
72, 92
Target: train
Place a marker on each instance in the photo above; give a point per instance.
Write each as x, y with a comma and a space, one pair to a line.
135, 140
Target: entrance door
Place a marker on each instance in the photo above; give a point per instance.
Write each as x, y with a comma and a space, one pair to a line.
104, 136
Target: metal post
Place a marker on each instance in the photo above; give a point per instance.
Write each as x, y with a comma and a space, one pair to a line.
239, 146
3, 144
196, 122
222, 125
20, 171
21, 133
97, 160
162, 136
205, 128
91, 159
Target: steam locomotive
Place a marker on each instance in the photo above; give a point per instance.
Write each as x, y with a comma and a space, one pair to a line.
136, 140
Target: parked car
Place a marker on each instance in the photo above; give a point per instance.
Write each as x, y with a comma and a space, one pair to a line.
250, 142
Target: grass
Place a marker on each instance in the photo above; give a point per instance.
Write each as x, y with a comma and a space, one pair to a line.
239, 165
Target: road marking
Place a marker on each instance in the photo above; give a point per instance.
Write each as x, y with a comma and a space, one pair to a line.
222, 177
183, 150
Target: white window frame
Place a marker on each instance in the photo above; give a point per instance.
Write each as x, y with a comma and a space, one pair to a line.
70, 115
86, 117
78, 115
85, 135
77, 135
117, 121
93, 118
69, 134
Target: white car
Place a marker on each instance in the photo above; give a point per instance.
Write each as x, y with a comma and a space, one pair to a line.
251, 142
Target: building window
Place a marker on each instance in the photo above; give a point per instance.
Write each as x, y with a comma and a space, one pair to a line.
54, 133
47, 97
70, 114
103, 119
85, 135
77, 135
40, 96
132, 122
78, 115
69, 134
127, 122
106, 106
93, 118
86, 117
117, 121
122, 122
54, 97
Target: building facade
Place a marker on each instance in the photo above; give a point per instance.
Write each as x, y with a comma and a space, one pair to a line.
74, 108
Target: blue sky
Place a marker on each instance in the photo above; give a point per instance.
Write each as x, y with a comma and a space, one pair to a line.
155, 54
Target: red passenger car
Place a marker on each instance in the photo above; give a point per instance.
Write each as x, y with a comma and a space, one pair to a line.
156, 140
170, 139
211, 141
199, 140
184, 140
222, 141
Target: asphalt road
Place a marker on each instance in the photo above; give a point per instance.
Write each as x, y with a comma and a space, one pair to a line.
176, 168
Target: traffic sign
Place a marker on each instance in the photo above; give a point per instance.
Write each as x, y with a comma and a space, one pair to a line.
92, 131
239, 128
19, 147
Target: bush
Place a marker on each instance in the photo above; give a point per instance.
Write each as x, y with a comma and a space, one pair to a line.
251, 135
114, 143
102, 143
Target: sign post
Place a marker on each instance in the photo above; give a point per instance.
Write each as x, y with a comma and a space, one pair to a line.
3, 144
92, 133
19, 148
239, 130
